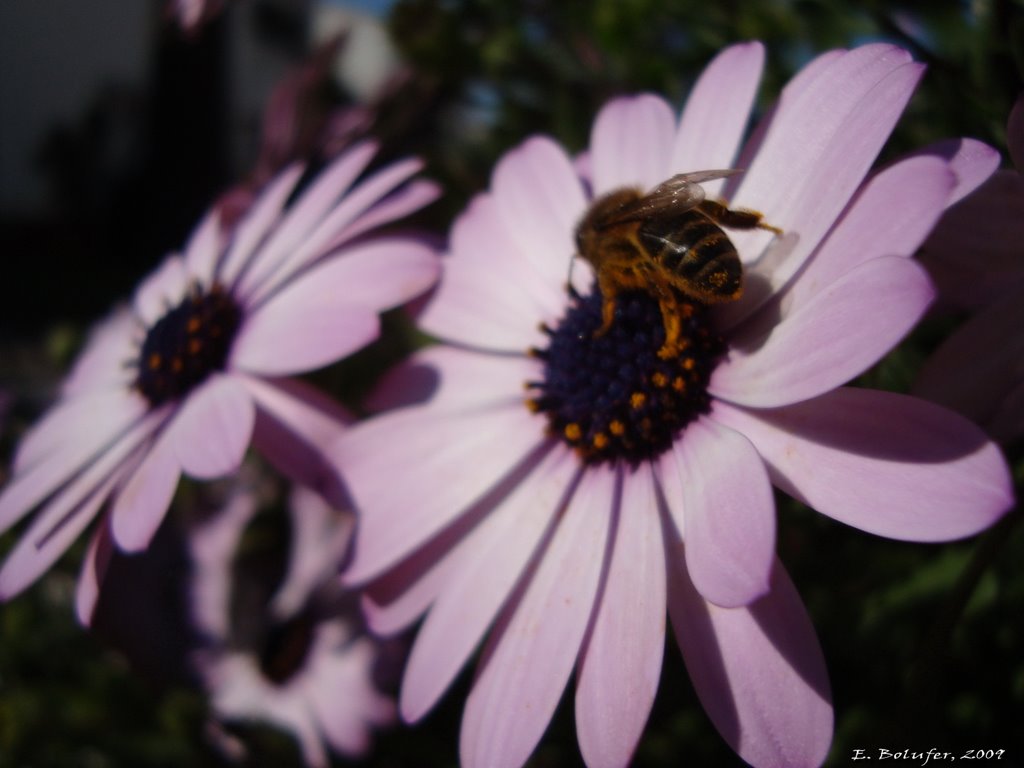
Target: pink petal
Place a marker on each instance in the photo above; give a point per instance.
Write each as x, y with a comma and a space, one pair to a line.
345, 700
95, 415
970, 160
532, 651
329, 235
111, 344
140, 506
344, 220
720, 497
239, 692
482, 581
94, 569
759, 671
212, 428
982, 233
501, 279
161, 290
203, 248
832, 337
488, 297
377, 276
888, 464
75, 434
399, 204
536, 183
213, 543
620, 665
306, 215
433, 449
295, 424
631, 143
257, 222
320, 536
890, 216
451, 376
68, 512
399, 597
817, 151
979, 365
403, 594
305, 327
804, 79
716, 113
53, 530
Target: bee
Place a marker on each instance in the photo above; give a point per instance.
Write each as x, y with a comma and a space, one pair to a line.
666, 242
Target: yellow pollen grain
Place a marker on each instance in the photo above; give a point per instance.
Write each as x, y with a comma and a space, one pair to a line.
600, 440
193, 324
637, 399
154, 361
688, 364
532, 405
678, 384
617, 428
659, 379
573, 431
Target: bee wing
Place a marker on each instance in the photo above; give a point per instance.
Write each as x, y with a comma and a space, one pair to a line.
699, 177
679, 193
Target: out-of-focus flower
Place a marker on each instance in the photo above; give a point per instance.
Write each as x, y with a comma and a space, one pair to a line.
191, 373
303, 117
977, 258
299, 661
974, 254
299, 121
368, 61
562, 488
190, 15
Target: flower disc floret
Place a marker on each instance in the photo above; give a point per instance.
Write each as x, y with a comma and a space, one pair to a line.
611, 396
187, 344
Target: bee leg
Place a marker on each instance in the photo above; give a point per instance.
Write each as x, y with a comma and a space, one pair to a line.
673, 329
736, 218
608, 291
668, 304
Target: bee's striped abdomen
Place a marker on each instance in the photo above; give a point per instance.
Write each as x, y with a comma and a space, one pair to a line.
694, 251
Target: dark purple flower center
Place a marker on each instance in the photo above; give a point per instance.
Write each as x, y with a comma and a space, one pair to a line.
286, 647
187, 344
612, 397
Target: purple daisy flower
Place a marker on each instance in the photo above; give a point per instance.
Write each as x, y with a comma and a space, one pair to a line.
561, 489
976, 258
302, 661
193, 372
